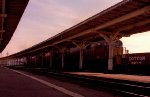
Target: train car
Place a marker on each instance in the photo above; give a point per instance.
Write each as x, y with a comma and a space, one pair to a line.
95, 58
138, 63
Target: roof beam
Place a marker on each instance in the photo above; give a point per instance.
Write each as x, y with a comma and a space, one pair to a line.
134, 25
125, 17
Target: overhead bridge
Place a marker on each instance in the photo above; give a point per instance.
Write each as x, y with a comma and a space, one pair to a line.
121, 20
10, 14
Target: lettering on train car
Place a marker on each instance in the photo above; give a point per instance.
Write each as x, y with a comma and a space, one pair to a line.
137, 59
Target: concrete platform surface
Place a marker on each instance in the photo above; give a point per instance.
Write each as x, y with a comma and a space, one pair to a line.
136, 78
24, 84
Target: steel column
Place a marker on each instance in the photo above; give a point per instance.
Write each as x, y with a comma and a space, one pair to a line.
110, 39
81, 45
81, 58
42, 63
110, 57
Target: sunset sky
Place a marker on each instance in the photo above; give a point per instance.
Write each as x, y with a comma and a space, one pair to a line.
46, 18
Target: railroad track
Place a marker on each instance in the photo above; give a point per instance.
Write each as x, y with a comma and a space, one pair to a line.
125, 88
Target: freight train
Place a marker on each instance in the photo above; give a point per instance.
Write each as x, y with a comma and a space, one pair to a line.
136, 63
96, 59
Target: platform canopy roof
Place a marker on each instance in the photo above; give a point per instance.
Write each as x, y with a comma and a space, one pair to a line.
127, 17
10, 14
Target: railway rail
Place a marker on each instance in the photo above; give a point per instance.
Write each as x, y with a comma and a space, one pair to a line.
122, 87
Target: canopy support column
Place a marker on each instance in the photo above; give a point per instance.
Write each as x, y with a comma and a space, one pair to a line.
110, 57
62, 57
35, 61
81, 57
42, 63
62, 51
51, 59
81, 45
110, 39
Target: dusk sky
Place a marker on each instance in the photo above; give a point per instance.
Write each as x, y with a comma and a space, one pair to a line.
46, 18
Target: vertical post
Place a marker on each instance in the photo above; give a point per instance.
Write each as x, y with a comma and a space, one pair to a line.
12, 62
51, 59
42, 64
81, 58
81, 45
110, 40
62, 51
28, 60
25, 61
7, 62
62, 57
15, 61
18, 61
35, 61
110, 57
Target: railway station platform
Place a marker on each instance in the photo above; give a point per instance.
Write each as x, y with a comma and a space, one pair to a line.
134, 78
128, 85
19, 83
13, 84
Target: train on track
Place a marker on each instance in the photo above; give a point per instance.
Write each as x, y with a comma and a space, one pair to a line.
95, 58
